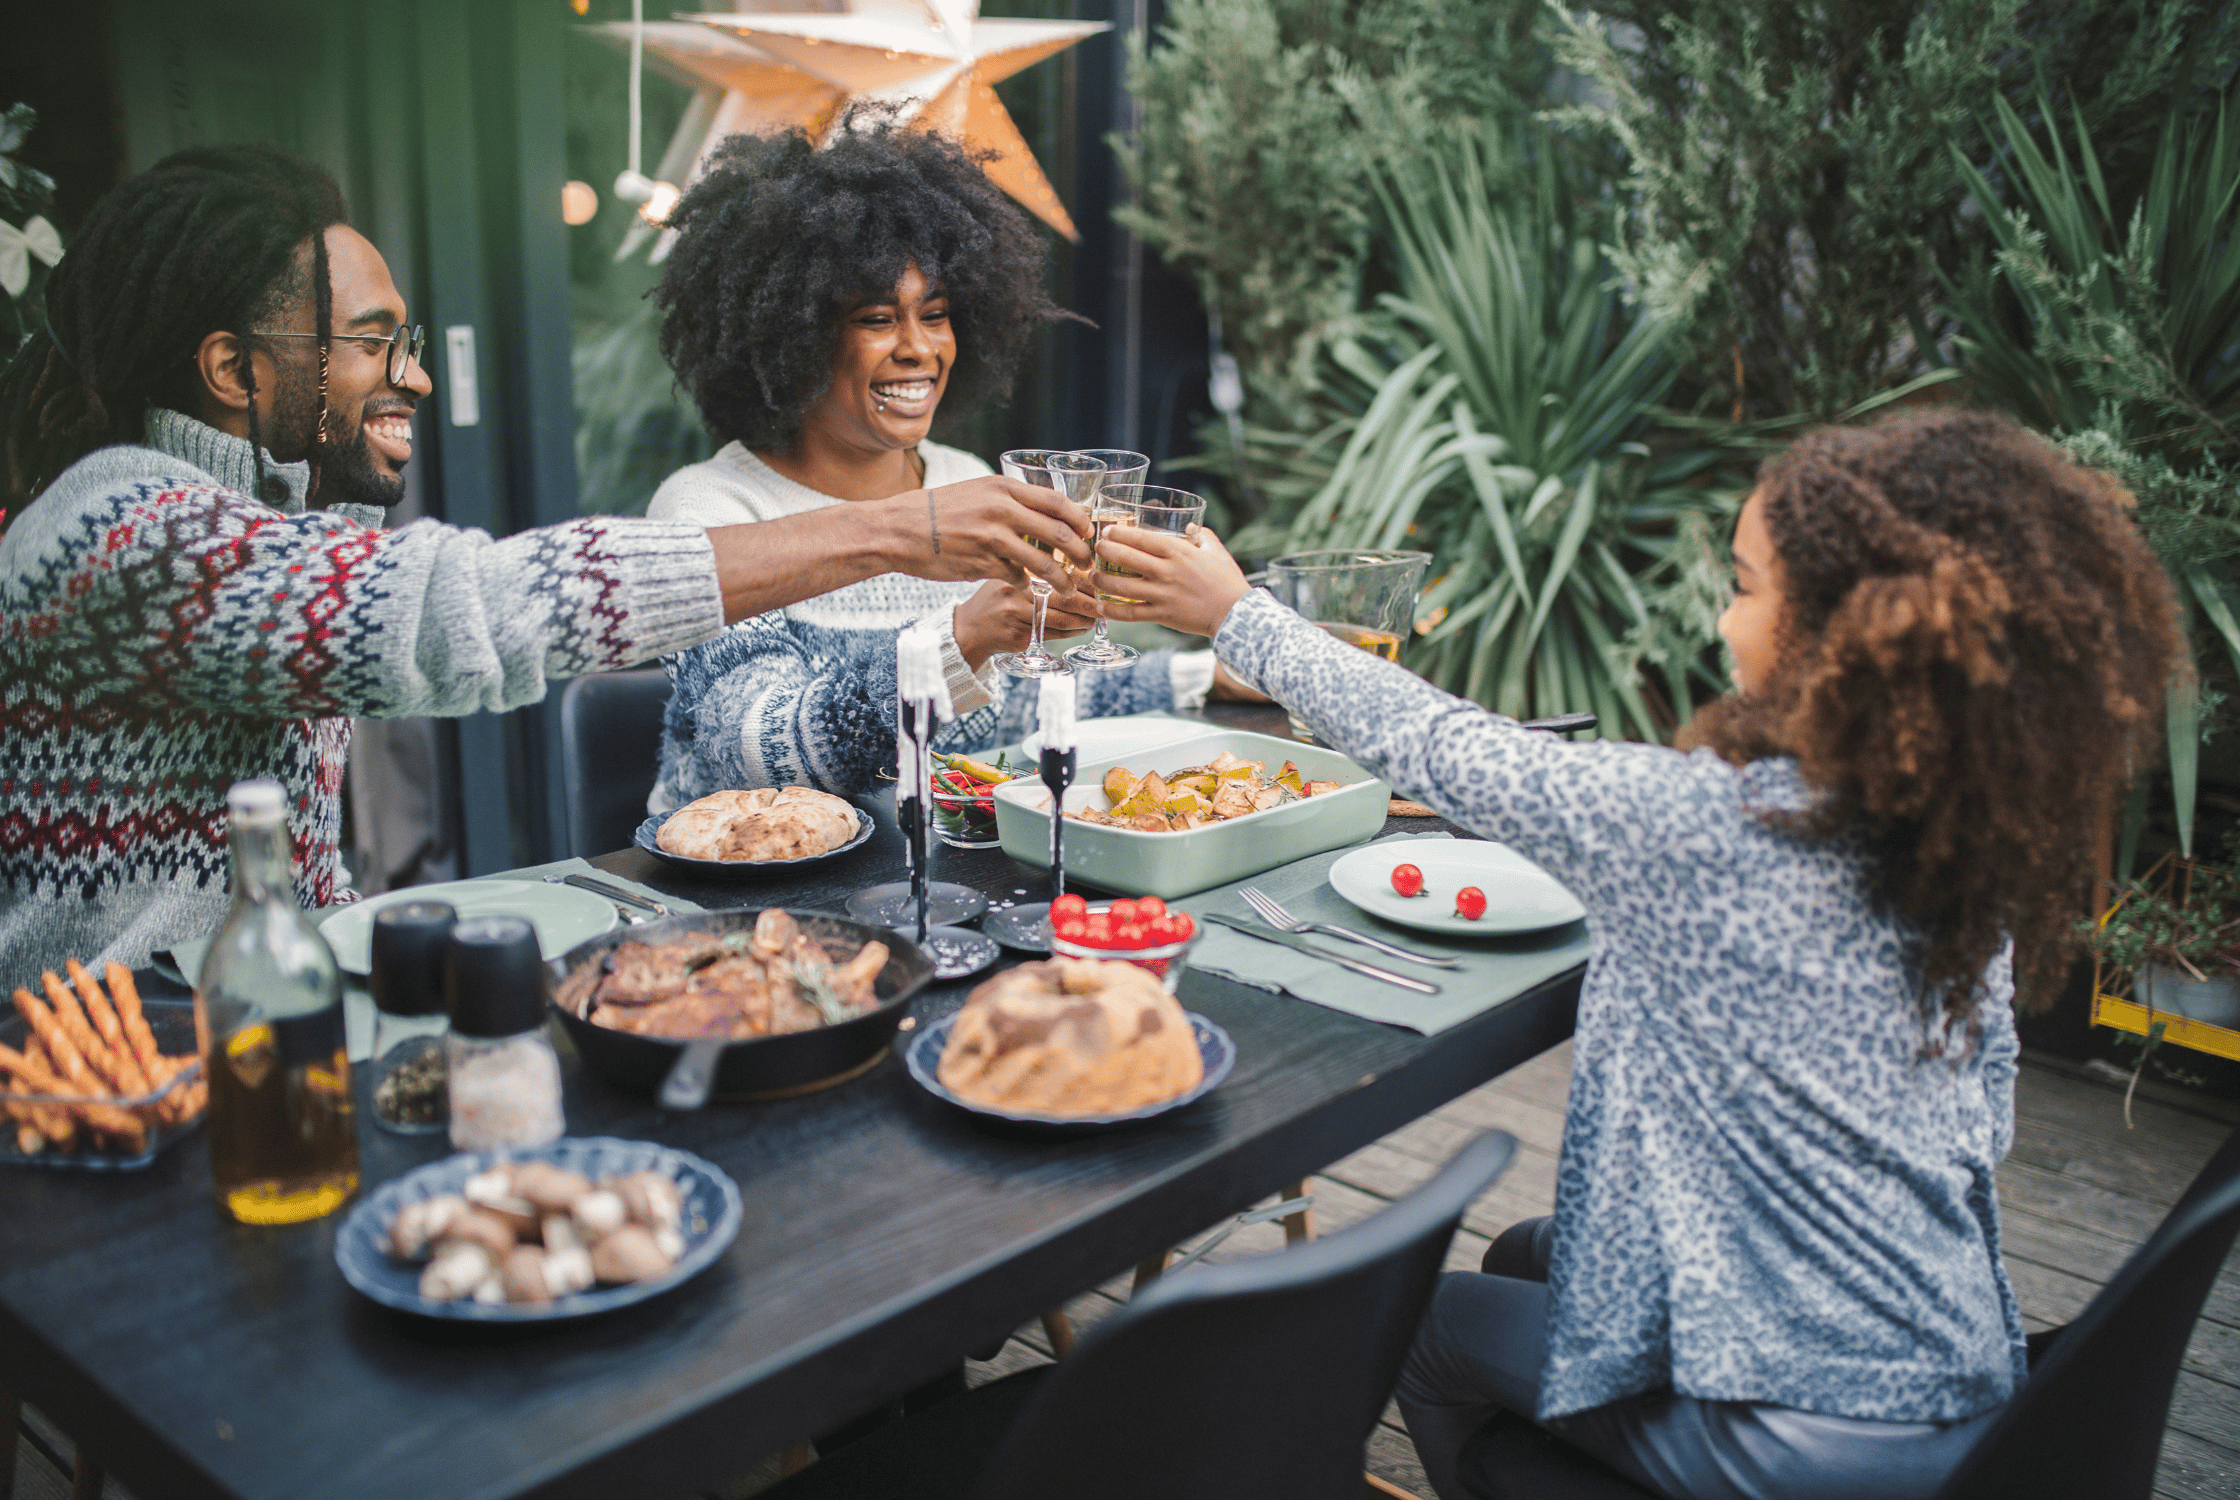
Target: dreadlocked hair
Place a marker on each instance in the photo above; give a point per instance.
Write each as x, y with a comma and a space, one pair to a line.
1975, 647
779, 240
208, 239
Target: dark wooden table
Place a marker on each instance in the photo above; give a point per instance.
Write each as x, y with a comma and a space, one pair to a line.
885, 1235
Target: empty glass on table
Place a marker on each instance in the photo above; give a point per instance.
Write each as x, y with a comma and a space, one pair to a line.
1078, 478
1154, 507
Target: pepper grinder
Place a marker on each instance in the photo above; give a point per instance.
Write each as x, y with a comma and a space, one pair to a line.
505, 1077
410, 1092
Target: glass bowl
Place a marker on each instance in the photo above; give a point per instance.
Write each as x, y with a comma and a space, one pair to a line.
1165, 961
965, 822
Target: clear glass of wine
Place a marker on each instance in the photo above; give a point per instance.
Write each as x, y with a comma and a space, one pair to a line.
1366, 599
1121, 468
1077, 477
1154, 507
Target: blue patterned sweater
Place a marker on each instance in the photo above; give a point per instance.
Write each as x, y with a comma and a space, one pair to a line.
1767, 1193
804, 696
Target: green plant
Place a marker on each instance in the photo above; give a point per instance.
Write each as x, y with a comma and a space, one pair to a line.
2116, 328
1494, 412
29, 244
1793, 191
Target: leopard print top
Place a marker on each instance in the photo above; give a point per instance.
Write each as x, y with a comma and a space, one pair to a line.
1771, 1189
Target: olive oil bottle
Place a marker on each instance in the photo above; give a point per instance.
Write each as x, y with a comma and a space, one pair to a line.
282, 1123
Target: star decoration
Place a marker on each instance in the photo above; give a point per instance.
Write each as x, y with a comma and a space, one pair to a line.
935, 60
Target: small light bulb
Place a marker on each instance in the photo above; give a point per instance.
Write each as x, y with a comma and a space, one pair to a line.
632, 186
579, 203
655, 210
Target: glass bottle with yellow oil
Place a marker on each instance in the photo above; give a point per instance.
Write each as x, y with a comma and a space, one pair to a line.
281, 1122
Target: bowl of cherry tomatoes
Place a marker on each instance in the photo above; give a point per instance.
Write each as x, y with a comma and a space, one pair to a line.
1141, 932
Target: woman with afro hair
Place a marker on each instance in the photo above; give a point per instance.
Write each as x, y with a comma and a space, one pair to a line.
820, 305
1773, 1270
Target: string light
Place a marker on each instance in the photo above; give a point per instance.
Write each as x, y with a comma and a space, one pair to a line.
579, 203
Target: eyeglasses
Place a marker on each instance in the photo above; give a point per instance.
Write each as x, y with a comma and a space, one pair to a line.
404, 346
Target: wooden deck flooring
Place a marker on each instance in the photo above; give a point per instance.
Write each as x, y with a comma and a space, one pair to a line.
2077, 1195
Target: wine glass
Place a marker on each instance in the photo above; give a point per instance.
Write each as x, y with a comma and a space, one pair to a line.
1154, 507
1120, 468
1077, 477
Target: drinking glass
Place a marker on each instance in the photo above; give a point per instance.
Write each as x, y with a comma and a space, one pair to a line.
1077, 477
1154, 507
1366, 599
1120, 468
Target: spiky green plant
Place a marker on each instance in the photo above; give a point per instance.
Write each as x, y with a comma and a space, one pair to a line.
2119, 334
1494, 414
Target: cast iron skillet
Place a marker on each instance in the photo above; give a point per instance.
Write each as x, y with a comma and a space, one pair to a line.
762, 1067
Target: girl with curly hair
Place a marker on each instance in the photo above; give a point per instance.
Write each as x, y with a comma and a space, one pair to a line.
820, 305
1773, 1269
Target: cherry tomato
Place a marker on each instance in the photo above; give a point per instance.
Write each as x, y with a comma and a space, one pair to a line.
1070, 929
1069, 906
1131, 935
1158, 932
1150, 906
1470, 903
1183, 926
1407, 880
1123, 911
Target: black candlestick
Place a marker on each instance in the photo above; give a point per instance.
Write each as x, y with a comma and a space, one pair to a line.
1057, 774
911, 809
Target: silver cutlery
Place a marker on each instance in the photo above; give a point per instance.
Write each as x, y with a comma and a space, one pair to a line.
1273, 913
1301, 945
622, 899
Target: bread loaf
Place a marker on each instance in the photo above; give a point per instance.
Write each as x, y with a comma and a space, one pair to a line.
1071, 1036
762, 823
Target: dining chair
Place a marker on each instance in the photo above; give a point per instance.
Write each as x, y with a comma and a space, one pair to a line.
610, 746
2089, 1420
1252, 1377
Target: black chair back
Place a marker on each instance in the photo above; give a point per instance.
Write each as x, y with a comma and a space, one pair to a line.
610, 745
1259, 1377
2090, 1420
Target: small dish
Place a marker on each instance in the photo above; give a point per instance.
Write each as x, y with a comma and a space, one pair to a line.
957, 952
923, 1059
712, 1213
1520, 896
1025, 927
562, 914
730, 869
947, 905
172, 1023
1163, 961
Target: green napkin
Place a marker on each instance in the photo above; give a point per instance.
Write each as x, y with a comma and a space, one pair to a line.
1492, 969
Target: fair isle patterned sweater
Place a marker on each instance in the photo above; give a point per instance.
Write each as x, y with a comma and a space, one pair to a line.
163, 635
1767, 1193
804, 695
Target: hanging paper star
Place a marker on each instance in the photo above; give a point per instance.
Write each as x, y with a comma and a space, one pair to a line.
936, 60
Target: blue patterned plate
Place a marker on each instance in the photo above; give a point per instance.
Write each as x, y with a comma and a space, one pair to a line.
712, 1212
924, 1060
724, 869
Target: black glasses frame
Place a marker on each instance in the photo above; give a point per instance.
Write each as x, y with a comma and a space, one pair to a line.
405, 346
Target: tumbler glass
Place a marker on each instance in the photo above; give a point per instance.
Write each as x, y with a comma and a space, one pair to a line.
1366, 599
1155, 507
1121, 467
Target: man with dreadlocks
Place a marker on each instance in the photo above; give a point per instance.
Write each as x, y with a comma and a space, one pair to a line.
223, 353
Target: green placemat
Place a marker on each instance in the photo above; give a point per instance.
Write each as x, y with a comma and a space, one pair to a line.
184, 960
1492, 969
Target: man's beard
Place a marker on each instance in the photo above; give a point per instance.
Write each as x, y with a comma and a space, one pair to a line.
348, 475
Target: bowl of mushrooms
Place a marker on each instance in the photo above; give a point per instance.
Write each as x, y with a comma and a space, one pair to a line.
562, 1231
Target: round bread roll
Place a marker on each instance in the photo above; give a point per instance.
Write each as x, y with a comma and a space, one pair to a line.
1071, 1036
790, 822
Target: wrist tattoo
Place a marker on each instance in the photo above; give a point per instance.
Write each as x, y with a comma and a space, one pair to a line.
933, 521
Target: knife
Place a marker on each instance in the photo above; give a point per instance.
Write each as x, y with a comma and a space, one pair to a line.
611, 892
1301, 945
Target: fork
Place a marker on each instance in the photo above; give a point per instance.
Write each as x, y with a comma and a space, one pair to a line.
1273, 913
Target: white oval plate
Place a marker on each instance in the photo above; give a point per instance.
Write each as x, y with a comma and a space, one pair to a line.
564, 915
1520, 896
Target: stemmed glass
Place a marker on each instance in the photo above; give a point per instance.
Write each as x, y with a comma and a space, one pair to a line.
1154, 507
1120, 468
1077, 477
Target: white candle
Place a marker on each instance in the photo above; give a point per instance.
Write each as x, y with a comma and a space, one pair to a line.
1057, 712
917, 670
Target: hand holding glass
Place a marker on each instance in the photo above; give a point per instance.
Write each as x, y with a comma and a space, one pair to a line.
1121, 469
1078, 478
1152, 507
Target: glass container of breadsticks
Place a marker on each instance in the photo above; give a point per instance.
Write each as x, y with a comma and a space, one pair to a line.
93, 1077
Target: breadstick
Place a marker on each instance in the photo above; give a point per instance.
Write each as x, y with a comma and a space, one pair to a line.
136, 1030
32, 1073
53, 1034
80, 1031
132, 1079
